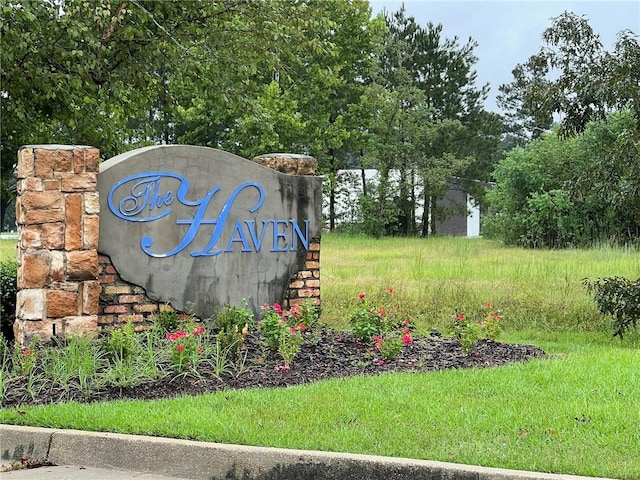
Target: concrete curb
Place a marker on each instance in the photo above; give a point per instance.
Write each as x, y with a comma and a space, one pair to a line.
212, 461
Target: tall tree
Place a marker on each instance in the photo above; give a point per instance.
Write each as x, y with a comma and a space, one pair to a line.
419, 59
110, 73
574, 77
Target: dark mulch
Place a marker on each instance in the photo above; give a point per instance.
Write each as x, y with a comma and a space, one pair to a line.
338, 354
330, 354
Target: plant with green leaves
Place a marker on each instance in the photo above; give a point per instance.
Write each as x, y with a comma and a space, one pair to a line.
8, 292
233, 323
619, 298
469, 329
374, 317
186, 348
282, 330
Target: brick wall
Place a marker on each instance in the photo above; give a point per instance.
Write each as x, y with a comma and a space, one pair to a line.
64, 285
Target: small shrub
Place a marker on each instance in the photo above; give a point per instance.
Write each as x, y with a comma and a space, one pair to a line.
8, 293
186, 348
233, 325
375, 317
618, 297
167, 320
468, 329
283, 331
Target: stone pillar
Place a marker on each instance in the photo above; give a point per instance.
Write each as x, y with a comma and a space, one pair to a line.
57, 214
305, 284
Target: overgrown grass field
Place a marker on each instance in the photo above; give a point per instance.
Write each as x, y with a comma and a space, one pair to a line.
576, 412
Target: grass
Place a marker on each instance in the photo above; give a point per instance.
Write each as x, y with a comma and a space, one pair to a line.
7, 249
576, 413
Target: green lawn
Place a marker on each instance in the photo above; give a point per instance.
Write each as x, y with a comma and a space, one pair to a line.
577, 412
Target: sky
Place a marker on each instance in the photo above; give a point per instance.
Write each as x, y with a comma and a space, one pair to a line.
509, 32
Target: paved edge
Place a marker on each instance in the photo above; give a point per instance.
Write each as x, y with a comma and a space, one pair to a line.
204, 460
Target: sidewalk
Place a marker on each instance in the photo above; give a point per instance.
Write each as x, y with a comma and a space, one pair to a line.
110, 456
68, 472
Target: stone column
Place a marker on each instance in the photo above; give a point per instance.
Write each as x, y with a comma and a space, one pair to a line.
305, 284
57, 214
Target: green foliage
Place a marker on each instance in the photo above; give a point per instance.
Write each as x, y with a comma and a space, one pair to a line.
8, 292
381, 322
374, 316
468, 329
619, 298
167, 320
233, 323
284, 331
570, 192
121, 343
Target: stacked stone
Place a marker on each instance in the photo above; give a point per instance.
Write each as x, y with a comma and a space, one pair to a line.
57, 214
305, 284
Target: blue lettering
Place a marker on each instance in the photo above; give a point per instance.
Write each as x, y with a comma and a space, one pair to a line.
149, 196
257, 242
297, 233
278, 235
222, 218
238, 236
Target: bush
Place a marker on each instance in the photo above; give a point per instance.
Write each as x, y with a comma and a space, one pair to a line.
8, 292
618, 297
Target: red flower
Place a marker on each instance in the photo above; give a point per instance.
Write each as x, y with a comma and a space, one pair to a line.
198, 331
26, 351
406, 339
294, 330
361, 296
389, 290
278, 308
180, 347
302, 326
460, 316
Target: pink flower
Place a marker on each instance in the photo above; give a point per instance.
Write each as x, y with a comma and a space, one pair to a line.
405, 323
406, 339
200, 350
389, 290
302, 326
281, 367
278, 308
380, 362
180, 347
26, 351
294, 330
361, 296
488, 305
198, 331
460, 316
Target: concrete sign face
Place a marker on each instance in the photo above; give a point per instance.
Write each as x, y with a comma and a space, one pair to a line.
199, 227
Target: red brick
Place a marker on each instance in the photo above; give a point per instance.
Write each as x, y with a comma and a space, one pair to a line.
115, 309
146, 308
130, 298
